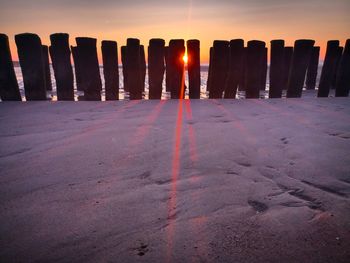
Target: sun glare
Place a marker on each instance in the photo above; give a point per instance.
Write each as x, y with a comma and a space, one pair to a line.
185, 58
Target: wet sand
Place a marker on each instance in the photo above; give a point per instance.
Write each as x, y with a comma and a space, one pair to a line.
175, 181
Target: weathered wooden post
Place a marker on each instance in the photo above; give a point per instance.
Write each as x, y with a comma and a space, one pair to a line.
30, 56
300, 60
143, 66
8, 83
254, 56
124, 67
156, 53
312, 68
61, 63
287, 61
167, 69
110, 69
177, 68
134, 69
194, 68
219, 69
91, 70
328, 68
342, 86
337, 60
236, 57
78, 68
46, 62
210, 68
276, 68
241, 84
264, 70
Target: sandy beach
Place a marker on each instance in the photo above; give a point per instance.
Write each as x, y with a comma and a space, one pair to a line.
175, 181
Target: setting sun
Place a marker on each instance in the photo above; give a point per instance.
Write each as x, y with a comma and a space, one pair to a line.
185, 58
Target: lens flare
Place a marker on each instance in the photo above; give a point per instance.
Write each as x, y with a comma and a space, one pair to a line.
185, 58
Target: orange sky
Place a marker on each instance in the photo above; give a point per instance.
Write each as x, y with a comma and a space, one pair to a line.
205, 20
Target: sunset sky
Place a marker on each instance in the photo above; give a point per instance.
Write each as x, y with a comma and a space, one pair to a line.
205, 20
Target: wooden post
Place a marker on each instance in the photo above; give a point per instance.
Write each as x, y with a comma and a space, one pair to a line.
125, 71
46, 62
241, 84
60, 56
264, 70
312, 69
343, 75
30, 56
236, 56
300, 60
133, 58
194, 68
276, 68
328, 68
255, 54
337, 60
177, 68
219, 69
8, 83
143, 66
287, 61
210, 68
156, 54
91, 70
110, 69
78, 68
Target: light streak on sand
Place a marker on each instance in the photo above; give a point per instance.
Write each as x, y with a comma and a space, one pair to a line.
191, 132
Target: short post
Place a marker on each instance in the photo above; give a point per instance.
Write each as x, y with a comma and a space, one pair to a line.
254, 68
300, 60
236, 56
77, 68
124, 67
133, 59
110, 69
287, 61
343, 75
210, 67
156, 52
337, 60
91, 70
193, 67
61, 63
9, 89
264, 70
143, 66
30, 56
219, 69
46, 62
177, 68
328, 68
312, 69
276, 68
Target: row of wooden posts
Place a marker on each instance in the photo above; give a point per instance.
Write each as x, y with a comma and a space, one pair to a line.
232, 67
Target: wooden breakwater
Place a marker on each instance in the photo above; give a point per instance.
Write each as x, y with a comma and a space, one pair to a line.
232, 67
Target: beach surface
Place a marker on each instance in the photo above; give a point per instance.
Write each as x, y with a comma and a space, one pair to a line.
175, 181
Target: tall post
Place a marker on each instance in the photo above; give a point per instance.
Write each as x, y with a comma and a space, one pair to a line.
156, 52
143, 66
276, 68
46, 62
133, 58
30, 56
300, 60
9, 89
125, 71
91, 70
219, 69
254, 68
194, 68
337, 60
343, 75
236, 56
177, 68
264, 70
210, 68
312, 69
241, 84
61, 63
287, 61
328, 68
78, 68
110, 69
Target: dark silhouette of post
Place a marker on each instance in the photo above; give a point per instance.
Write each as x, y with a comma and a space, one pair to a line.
210, 68
194, 68
287, 61
167, 69
254, 68
343, 75
177, 68
300, 60
337, 60
264, 70
46, 62
241, 84
91, 71
328, 68
236, 56
61, 63
312, 69
143, 66
134, 68
276, 68
124, 67
156, 54
30, 56
219, 69
78, 68
9, 89
110, 69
